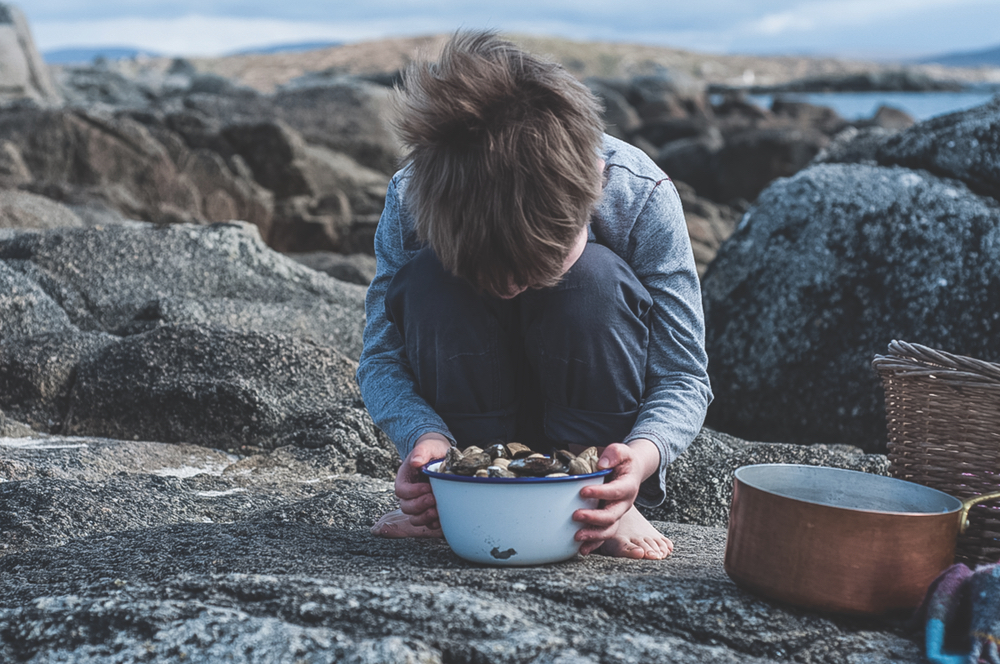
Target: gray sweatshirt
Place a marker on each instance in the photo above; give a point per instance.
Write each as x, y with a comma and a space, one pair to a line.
638, 217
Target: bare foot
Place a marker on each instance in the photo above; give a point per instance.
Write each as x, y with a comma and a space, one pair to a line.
637, 538
396, 525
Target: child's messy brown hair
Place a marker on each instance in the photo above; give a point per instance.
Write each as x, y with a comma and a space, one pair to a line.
504, 148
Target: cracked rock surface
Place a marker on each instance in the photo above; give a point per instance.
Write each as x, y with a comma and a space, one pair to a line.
123, 551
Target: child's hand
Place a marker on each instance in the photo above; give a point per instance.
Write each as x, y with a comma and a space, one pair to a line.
412, 487
631, 464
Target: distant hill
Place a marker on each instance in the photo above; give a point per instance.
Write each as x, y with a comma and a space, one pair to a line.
265, 72
987, 58
86, 55
298, 47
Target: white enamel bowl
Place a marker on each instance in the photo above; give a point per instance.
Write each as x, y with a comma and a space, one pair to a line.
517, 521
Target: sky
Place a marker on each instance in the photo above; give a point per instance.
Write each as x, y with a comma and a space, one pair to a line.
881, 29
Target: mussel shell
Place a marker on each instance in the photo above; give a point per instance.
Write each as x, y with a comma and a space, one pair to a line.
498, 451
563, 455
518, 451
450, 459
499, 471
470, 463
582, 466
536, 467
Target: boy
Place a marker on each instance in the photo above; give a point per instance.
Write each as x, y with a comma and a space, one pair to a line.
535, 283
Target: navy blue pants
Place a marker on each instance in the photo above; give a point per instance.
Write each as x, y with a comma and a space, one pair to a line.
553, 366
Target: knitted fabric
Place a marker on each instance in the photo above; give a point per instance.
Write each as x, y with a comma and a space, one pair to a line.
961, 615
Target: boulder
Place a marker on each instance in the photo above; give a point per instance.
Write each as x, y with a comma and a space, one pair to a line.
620, 119
321, 193
216, 387
23, 73
12, 429
305, 224
668, 94
26, 309
14, 172
708, 224
736, 167
226, 191
735, 110
352, 268
22, 209
37, 374
885, 80
116, 162
963, 145
665, 130
70, 300
891, 118
854, 146
808, 116
89, 86
277, 155
124, 279
692, 160
345, 115
821, 273
752, 159
700, 481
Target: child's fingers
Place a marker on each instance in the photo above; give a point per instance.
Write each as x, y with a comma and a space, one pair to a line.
425, 518
417, 505
418, 460
595, 535
424, 499
408, 490
589, 547
619, 490
606, 517
614, 454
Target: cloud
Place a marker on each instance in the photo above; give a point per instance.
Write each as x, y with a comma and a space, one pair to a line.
195, 35
212, 27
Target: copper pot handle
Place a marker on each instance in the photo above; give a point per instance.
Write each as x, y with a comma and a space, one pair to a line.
969, 503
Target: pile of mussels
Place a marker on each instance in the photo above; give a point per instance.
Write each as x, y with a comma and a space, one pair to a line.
517, 460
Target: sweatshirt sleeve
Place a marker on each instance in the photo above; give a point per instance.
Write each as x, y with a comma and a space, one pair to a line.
677, 391
387, 383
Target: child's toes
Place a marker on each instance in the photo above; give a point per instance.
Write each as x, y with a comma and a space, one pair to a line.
662, 546
653, 549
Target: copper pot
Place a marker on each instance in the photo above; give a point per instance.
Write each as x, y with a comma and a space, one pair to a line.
840, 540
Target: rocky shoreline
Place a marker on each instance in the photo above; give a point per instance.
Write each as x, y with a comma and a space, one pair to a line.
188, 473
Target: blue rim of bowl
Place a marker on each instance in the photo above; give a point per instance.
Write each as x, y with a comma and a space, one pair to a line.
506, 480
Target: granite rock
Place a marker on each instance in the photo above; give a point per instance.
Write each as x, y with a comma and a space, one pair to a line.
97, 324
114, 551
963, 145
22, 209
822, 273
23, 73
346, 115
700, 482
353, 268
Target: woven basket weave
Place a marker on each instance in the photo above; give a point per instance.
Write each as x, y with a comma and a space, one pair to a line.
943, 419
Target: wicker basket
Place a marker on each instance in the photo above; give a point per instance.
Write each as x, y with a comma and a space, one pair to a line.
943, 419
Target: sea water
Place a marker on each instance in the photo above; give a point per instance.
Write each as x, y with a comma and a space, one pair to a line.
862, 105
